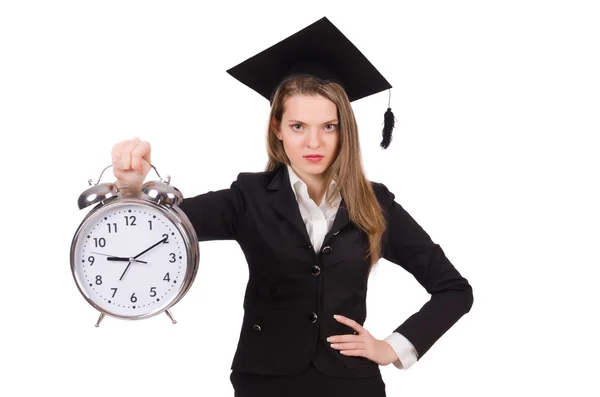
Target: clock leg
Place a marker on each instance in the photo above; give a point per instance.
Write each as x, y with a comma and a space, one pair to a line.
170, 316
99, 320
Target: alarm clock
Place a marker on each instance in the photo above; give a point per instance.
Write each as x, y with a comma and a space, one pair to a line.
135, 254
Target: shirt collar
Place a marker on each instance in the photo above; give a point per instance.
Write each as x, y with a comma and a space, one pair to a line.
298, 185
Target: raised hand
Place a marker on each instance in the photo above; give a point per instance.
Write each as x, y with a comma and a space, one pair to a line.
131, 162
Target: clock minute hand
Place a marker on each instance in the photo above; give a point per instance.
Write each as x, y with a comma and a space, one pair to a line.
149, 248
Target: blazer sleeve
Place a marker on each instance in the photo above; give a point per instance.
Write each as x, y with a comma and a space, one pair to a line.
408, 245
215, 215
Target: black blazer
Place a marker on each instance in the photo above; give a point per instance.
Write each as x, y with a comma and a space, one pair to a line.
293, 292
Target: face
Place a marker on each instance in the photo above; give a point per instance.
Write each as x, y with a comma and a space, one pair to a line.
309, 127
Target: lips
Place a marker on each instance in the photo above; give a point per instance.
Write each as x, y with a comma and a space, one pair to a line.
313, 156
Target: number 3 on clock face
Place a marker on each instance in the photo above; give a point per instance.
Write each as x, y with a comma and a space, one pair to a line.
130, 260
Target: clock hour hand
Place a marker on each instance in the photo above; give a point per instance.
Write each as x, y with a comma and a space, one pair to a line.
116, 258
119, 259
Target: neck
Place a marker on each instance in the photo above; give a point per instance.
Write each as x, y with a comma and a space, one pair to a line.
315, 185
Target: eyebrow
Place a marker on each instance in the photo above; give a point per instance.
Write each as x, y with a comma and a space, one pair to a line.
301, 122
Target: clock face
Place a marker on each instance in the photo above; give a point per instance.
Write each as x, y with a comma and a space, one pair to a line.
130, 259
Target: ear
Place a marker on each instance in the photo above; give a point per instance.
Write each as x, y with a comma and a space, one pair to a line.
275, 128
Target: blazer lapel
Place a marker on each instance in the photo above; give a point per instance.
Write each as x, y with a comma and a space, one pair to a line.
282, 199
341, 219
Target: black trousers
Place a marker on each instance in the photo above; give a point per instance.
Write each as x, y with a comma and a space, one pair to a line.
310, 383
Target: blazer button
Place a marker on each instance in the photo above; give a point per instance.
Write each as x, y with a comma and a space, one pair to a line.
316, 270
326, 250
257, 327
312, 317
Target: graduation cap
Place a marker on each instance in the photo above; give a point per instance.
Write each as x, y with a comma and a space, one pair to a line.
322, 51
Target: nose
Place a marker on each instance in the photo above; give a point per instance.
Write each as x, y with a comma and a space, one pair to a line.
313, 139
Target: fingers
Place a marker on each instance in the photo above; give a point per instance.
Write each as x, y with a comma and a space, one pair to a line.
126, 151
348, 346
355, 348
131, 155
350, 323
345, 338
116, 155
354, 352
139, 153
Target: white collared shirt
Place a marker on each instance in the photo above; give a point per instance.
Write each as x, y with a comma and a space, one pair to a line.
319, 220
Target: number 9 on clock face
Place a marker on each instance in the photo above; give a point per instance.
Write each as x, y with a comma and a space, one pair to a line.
130, 260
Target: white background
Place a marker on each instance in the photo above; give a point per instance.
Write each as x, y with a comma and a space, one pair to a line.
494, 154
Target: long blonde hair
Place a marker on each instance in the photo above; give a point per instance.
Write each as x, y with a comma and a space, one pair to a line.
363, 208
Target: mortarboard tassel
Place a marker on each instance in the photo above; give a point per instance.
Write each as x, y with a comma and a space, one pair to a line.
388, 126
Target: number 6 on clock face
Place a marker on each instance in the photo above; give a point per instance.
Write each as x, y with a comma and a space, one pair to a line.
132, 257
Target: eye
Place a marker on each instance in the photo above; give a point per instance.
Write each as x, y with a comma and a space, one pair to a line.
333, 127
293, 125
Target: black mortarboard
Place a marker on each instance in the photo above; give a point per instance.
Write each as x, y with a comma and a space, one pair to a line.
322, 51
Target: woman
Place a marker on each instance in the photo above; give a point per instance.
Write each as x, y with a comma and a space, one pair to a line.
312, 227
